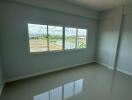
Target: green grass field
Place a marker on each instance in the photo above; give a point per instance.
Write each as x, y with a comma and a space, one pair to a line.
55, 43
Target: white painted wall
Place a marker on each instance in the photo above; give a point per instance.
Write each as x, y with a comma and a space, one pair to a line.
1, 74
62, 6
1, 77
125, 53
111, 44
1, 69
108, 36
18, 62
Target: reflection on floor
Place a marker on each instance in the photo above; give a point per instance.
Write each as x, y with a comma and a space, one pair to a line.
62, 92
87, 82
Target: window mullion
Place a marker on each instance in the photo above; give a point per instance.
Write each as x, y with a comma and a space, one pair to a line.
47, 38
63, 40
76, 37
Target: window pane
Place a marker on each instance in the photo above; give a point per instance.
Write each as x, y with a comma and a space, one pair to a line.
70, 38
55, 37
37, 37
81, 38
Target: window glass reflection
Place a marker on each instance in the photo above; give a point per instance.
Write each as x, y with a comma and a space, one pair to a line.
43, 96
63, 92
78, 86
68, 90
56, 94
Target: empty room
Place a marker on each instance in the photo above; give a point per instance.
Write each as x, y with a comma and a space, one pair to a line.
65, 49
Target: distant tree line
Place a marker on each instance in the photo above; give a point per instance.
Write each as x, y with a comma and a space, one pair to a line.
44, 36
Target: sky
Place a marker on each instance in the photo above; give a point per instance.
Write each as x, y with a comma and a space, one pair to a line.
35, 29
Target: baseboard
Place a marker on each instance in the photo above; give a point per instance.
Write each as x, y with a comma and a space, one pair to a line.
105, 65
118, 69
124, 71
48, 71
1, 87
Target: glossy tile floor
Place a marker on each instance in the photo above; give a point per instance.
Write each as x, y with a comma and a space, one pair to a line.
88, 82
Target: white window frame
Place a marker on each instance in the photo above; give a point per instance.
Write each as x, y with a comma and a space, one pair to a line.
63, 40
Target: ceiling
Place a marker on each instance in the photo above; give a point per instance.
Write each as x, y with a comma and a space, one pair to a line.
99, 5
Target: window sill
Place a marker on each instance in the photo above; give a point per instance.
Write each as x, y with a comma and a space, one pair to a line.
56, 51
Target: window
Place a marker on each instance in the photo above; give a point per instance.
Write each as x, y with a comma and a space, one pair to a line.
51, 38
70, 38
37, 37
81, 38
55, 35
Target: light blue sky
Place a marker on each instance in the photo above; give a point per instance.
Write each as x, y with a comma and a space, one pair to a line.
42, 29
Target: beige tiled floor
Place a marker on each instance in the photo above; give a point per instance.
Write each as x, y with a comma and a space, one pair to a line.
89, 82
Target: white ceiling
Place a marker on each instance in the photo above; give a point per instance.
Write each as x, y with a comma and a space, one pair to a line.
100, 5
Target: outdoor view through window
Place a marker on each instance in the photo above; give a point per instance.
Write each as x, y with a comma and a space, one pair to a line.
52, 38
55, 35
70, 38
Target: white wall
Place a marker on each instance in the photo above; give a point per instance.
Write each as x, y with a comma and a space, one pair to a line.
108, 36
16, 58
1, 74
62, 6
1, 69
1, 77
115, 38
125, 53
